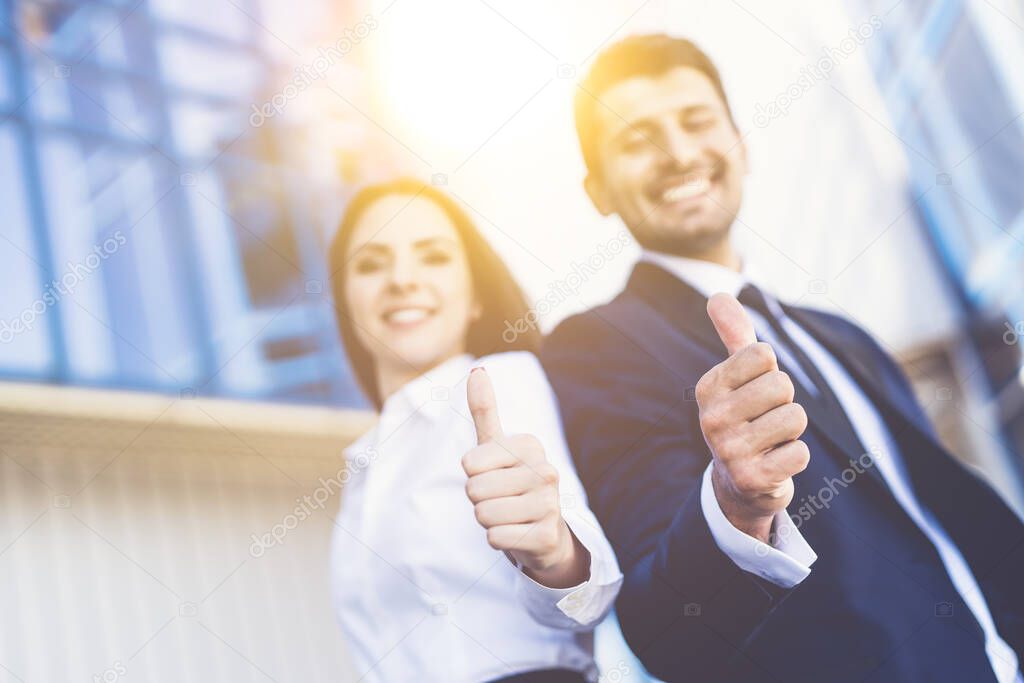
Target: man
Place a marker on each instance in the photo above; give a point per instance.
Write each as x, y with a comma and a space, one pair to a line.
788, 515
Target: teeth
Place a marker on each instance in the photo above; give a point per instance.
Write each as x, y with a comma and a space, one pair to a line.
406, 315
691, 187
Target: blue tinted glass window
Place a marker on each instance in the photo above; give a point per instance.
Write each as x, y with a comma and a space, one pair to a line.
27, 302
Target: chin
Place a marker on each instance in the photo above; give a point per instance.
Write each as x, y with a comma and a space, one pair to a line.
420, 356
684, 241
412, 355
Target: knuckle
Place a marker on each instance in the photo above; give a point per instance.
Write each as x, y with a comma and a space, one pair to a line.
763, 354
783, 384
744, 482
480, 512
702, 390
495, 539
803, 454
548, 473
798, 416
712, 419
730, 449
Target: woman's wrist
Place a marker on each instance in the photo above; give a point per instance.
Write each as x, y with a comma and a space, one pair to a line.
571, 568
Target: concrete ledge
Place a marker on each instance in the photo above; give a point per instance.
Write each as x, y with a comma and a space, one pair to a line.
86, 418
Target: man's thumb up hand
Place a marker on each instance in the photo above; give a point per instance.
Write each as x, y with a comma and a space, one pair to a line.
750, 423
514, 491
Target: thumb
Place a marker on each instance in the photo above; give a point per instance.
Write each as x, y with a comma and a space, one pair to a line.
731, 322
482, 405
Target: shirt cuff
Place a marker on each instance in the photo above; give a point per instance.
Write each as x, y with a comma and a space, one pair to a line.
786, 562
583, 606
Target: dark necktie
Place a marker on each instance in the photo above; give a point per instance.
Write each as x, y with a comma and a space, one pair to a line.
826, 409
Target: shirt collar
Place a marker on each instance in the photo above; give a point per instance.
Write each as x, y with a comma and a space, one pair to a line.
429, 395
432, 391
704, 276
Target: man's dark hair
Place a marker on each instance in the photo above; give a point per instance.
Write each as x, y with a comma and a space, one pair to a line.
641, 55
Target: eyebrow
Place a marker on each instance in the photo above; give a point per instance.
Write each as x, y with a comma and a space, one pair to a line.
431, 241
418, 244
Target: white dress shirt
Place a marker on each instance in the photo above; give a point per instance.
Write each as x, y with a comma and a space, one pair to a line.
788, 561
417, 590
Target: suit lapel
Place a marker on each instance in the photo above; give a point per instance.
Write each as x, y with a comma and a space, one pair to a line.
863, 369
677, 302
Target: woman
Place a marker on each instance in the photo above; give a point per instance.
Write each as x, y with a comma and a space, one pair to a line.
452, 562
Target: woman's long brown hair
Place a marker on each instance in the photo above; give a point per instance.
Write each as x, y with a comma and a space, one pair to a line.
503, 305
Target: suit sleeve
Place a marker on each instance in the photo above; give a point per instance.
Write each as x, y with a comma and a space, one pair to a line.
686, 608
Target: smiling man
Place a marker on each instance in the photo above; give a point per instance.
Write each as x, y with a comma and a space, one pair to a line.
709, 428
638, 138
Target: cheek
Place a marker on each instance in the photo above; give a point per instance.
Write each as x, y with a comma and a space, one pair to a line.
632, 173
360, 295
736, 172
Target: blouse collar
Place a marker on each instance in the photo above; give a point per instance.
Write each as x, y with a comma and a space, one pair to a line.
430, 395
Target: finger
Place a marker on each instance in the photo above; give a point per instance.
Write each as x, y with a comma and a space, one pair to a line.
747, 364
497, 483
731, 322
483, 406
787, 460
515, 536
488, 456
761, 394
523, 509
777, 426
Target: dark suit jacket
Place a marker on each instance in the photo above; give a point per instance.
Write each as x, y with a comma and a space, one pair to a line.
878, 605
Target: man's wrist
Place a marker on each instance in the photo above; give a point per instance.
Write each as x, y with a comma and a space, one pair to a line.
757, 524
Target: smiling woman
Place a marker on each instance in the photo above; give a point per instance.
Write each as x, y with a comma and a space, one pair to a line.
415, 284
489, 531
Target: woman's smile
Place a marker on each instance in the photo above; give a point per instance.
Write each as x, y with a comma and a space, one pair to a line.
407, 316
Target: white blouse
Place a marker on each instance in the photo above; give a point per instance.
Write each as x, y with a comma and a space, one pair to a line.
419, 593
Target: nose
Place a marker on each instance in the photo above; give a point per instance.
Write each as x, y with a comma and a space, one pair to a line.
681, 148
403, 275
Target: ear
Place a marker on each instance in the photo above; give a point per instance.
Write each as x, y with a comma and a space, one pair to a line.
476, 311
598, 193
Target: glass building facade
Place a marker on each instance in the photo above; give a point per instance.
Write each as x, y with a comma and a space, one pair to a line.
155, 235
949, 72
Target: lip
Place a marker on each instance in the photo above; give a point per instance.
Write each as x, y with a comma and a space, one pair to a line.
407, 316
